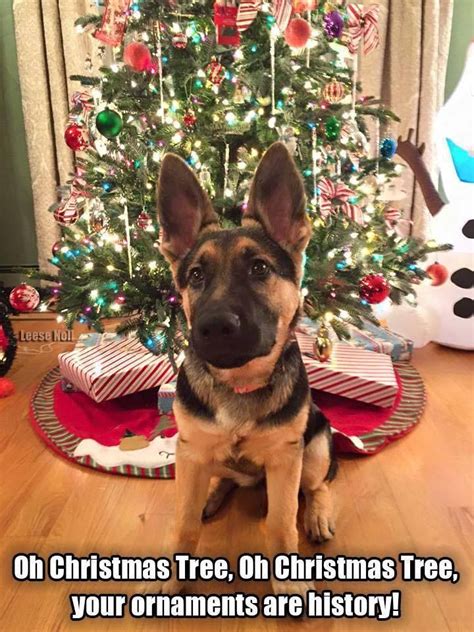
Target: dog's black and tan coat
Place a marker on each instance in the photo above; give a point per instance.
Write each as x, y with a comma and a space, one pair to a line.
243, 405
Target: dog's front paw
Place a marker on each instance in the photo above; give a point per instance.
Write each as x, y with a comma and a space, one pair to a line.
291, 587
170, 587
319, 523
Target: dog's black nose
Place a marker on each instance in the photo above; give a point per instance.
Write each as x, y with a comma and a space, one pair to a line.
215, 328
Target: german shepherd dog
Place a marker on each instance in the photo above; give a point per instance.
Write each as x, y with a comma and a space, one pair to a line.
243, 405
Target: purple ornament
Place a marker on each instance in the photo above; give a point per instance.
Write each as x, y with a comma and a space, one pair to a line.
333, 24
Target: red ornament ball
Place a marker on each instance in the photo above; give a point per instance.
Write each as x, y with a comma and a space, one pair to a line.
144, 221
137, 56
7, 387
179, 40
215, 72
374, 288
24, 298
297, 33
438, 273
189, 119
57, 247
75, 138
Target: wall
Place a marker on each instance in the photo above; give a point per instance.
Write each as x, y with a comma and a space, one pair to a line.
461, 35
17, 229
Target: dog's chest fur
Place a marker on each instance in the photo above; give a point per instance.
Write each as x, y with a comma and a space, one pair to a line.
238, 431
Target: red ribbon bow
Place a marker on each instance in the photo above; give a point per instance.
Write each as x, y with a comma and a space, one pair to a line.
363, 27
338, 194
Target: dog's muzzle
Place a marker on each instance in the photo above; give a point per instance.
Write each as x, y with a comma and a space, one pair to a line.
224, 339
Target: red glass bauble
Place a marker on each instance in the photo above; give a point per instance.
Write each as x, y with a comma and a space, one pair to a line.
24, 298
57, 247
7, 387
374, 288
189, 119
137, 56
179, 40
74, 136
144, 221
297, 33
438, 273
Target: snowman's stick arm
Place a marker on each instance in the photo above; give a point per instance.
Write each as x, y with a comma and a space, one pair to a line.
413, 156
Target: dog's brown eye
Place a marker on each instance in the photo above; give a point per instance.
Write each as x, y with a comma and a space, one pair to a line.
259, 268
196, 276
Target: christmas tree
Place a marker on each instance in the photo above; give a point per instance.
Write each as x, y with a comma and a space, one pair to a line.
217, 84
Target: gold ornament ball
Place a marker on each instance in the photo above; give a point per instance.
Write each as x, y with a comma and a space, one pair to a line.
322, 345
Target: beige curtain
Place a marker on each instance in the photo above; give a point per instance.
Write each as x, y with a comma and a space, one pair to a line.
49, 51
408, 72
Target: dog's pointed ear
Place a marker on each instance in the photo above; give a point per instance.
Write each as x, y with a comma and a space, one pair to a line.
184, 209
277, 200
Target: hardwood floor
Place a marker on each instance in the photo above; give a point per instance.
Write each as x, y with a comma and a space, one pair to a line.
416, 496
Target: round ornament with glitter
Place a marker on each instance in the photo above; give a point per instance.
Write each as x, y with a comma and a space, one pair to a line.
322, 348
334, 91
297, 33
189, 118
109, 123
332, 128
374, 288
179, 40
215, 72
333, 24
144, 220
137, 56
388, 148
24, 298
75, 137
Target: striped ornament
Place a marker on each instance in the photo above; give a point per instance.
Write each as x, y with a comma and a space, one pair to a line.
119, 368
67, 213
352, 372
248, 9
247, 13
363, 27
334, 91
281, 10
391, 215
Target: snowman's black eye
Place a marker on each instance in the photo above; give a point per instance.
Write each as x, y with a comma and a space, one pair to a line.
463, 278
464, 308
468, 229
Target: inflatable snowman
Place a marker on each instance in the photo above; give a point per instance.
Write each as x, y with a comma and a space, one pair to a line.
445, 306
452, 302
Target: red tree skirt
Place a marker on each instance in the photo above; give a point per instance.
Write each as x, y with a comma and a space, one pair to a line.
85, 432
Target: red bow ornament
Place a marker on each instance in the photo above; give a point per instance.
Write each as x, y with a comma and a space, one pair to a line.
363, 27
337, 195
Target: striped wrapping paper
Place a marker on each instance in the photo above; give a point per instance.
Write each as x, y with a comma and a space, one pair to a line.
121, 367
352, 372
371, 337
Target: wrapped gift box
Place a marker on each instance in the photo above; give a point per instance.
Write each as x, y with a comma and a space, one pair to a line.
114, 367
352, 372
166, 395
371, 337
